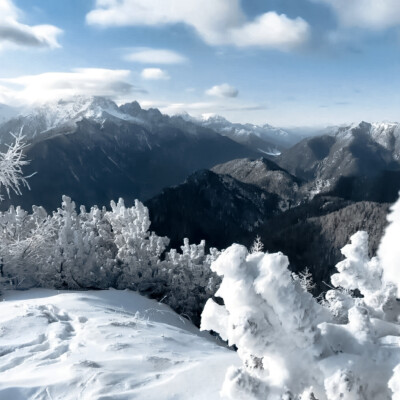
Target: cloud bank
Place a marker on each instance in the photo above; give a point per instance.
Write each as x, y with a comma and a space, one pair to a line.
56, 85
217, 22
366, 14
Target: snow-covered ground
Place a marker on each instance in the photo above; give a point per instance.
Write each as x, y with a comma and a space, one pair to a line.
104, 345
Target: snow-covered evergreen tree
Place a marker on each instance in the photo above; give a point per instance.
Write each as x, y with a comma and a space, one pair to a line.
138, 249
291, 346
190, 279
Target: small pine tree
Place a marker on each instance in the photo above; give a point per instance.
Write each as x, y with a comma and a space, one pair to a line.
257, 245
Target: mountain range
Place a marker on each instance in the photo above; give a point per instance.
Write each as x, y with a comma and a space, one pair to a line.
212, 179
358, 162
266, 139
97, 151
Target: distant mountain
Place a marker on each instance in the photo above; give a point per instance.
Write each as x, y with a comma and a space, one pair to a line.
386, 134
63, 116
217, 208
263, 138
95, 151
7, 112
359, 162
222, 210
267, 175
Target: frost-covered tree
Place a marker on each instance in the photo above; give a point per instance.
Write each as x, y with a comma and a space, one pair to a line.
82, 252
389, 249
270, 319
291, 346
257, 245
98, 249
23, 240
305, 279
138, 249
11, 163
190, 279
11, 179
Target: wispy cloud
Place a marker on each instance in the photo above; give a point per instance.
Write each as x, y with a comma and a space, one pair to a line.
55, 85
147, 55
217, 22
223, 90
16, 34
366, 14
203, 107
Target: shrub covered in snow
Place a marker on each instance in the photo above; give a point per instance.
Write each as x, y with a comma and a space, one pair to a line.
99, 249
292, 347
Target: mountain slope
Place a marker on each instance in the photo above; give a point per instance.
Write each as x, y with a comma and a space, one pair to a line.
7, 112
265, 174
213, 207
354, 162
313, 234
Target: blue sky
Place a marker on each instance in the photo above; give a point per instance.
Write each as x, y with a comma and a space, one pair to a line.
283, 62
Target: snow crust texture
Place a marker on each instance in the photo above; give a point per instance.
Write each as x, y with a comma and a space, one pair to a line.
292, 346
103, 345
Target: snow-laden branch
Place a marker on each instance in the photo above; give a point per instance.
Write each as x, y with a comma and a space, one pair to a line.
11, 163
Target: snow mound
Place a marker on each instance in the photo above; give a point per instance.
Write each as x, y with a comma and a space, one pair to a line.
104, 345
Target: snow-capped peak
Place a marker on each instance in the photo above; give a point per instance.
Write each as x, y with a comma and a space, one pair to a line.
67, 113
188, 118
214, 118
386, 134
79, 107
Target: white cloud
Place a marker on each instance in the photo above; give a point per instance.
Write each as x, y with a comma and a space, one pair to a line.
369, 14
146, 55
16, 34
154, 74
218, 22
241, 111
283, 32
55, 85
223, 90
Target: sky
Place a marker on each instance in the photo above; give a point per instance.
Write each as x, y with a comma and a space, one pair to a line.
282, 62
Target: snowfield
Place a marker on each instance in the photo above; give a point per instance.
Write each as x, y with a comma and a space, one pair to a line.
104, 345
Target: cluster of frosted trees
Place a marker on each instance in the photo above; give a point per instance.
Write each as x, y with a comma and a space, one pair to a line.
292, 346
98, 249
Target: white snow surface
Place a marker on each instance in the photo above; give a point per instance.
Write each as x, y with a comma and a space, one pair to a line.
104, 345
